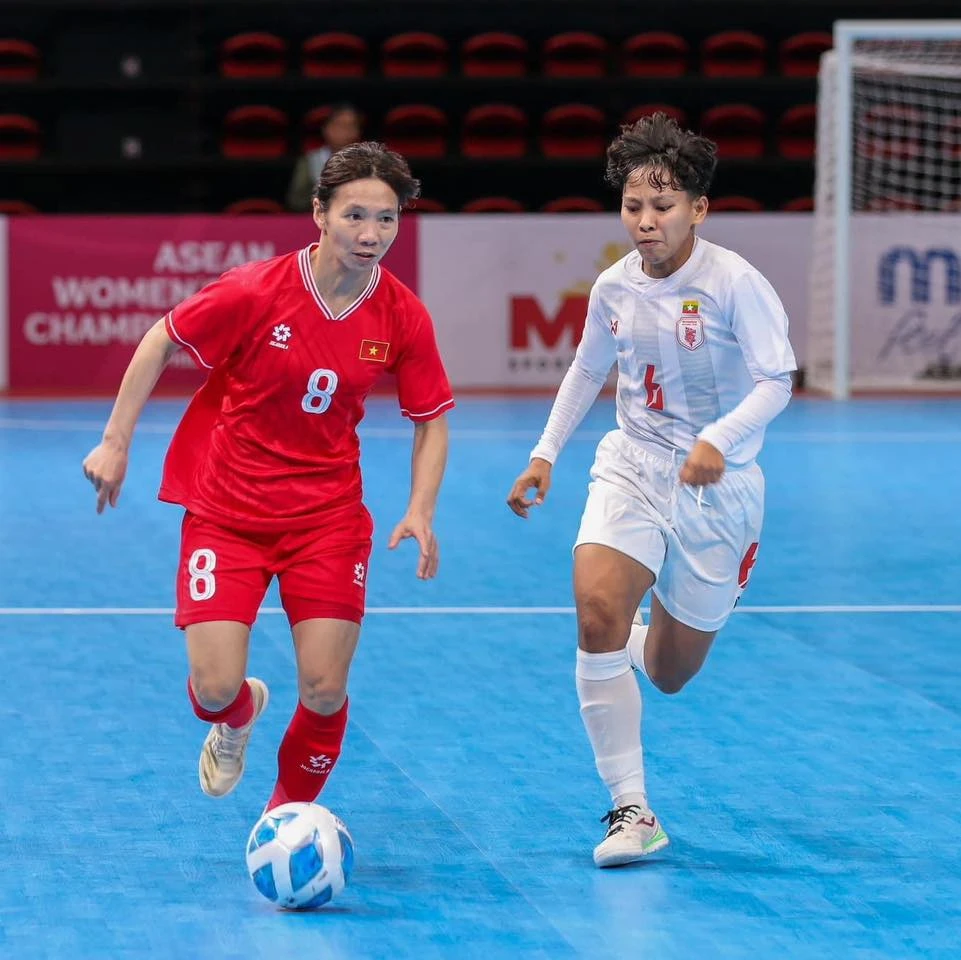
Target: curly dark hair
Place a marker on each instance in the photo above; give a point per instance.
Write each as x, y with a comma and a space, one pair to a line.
358, 161
676, 159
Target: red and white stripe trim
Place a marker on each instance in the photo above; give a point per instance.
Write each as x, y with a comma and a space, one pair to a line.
307, 275
429, 414
172, 331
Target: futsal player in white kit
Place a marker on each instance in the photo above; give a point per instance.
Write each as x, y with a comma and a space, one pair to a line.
676, 498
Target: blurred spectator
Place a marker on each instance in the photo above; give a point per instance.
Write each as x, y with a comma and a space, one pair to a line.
341, 128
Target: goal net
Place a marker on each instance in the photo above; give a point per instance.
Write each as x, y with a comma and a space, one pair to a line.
885, 296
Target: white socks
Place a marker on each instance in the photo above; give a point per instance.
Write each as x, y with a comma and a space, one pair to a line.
611, 710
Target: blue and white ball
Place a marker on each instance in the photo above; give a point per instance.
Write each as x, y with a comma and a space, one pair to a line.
300, 855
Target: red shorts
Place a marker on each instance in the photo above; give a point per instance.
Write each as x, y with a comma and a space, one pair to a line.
223, 574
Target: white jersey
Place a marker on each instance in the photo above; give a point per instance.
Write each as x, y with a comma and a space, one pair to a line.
689, 347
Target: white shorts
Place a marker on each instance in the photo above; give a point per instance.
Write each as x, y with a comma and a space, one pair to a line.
700, 552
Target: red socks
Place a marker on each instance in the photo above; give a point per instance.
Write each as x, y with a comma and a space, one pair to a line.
307, 754
237, 714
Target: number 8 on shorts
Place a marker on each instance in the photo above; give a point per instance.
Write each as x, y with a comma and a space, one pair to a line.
203, 584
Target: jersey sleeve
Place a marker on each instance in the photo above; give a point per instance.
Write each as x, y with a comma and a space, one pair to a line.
597, 351
209, 325
423, 389
760, 325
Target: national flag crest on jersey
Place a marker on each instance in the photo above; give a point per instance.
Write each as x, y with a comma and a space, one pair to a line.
690, 328
375, 350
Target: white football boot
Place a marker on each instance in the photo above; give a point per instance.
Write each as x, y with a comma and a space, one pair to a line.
633, 833
223, 755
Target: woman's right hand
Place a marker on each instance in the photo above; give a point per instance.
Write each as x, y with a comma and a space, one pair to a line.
536, 476
105, 467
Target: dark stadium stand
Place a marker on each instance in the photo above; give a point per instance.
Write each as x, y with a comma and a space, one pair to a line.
181, 105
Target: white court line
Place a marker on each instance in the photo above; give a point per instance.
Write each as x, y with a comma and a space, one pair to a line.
87, 426
483, 611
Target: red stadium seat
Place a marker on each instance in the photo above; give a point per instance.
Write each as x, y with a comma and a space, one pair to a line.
493, 205
254, 205
796, 131
798, 205
573, 130
800, 55
892, 203
19, 60
494, 55
656, 53
737, 128
575, 54
19, 137
253, 55
414, 54
254, 132
416, 130
333, 54
427, 205
646, 109
734, 53
494, 130
736, 204
17, 208
573, 205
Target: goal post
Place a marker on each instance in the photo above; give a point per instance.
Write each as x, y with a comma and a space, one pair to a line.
885, 296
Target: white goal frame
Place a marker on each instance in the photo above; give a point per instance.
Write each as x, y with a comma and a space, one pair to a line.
846, 33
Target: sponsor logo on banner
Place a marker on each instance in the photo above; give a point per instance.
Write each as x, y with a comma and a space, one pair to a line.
916, 324
545, 338
509, 300
922, 264
84, 290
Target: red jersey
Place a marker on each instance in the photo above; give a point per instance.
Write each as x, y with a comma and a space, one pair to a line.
270, 440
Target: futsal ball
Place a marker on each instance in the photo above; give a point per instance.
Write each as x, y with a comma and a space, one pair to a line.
300, 855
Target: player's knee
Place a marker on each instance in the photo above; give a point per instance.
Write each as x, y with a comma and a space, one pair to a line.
667, 675
668, 681
601, 628
215, 693
323, 693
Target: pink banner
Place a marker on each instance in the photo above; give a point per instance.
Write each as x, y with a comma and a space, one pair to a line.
84, 290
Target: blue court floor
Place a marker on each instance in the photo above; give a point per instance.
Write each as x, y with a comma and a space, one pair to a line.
809, 778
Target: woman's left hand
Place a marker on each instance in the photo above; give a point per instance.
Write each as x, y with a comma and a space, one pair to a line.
704, 465
418, 527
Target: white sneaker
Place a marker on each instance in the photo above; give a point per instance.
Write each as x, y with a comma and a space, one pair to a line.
635, 650
633, 833
223, 755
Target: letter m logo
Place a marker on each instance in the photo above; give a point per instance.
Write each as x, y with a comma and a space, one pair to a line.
921, 266
527, 317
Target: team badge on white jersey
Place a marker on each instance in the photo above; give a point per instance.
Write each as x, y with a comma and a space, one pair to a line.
690, 328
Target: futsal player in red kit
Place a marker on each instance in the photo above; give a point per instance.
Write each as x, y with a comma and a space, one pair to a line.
265, 461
